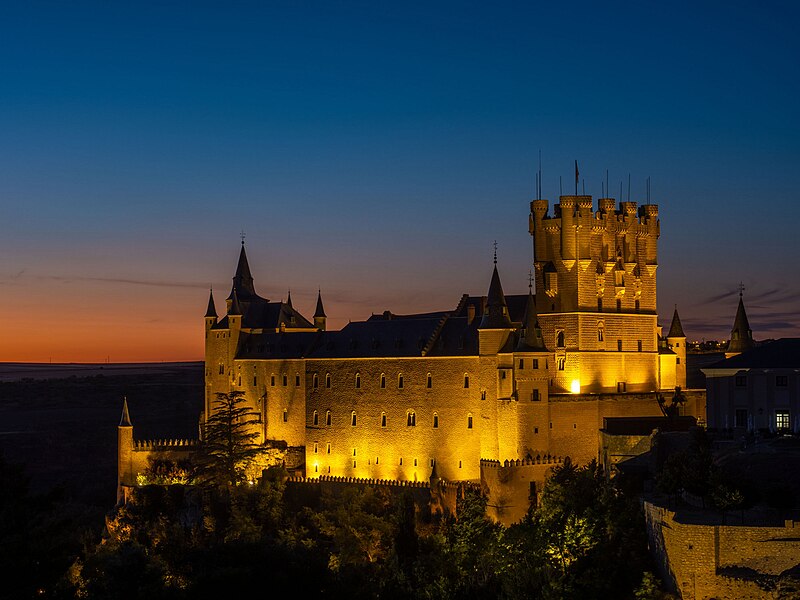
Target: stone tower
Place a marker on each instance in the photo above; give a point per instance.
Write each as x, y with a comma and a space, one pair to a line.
320, 320
596, 292
125, 475
676, 341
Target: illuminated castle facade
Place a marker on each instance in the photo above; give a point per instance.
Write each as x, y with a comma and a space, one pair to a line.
494, 378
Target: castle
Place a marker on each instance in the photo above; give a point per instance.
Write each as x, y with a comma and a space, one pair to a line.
497, 381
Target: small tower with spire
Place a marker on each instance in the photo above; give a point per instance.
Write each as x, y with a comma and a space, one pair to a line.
495, 326
320, 320
676, 341
211, 311
125, 475
741, 334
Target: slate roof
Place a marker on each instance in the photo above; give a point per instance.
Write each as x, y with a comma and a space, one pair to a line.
780, 354
741, 335
676, 329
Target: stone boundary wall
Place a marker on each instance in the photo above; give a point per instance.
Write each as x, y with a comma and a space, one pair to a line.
513, 485
722, 561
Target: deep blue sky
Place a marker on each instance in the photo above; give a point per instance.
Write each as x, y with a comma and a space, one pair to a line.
376, 150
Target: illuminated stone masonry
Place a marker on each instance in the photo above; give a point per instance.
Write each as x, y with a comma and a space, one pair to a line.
394, 396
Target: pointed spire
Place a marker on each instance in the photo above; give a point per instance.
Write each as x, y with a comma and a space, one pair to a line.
125, 421
235, 309
676, 329
320, 311
496, 315
531, 340
243, 279
211, 311
741, 334
289, 300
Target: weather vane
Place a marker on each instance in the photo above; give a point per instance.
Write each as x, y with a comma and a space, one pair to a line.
242, 235
495, 251
741, 289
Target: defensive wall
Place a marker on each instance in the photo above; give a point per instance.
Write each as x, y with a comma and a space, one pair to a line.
513, 485
702, 561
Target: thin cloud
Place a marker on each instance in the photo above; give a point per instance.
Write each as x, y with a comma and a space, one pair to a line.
145, 282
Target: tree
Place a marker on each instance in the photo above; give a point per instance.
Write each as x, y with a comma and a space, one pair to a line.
228, 447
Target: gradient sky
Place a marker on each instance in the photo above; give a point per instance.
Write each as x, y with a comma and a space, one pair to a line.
376, 150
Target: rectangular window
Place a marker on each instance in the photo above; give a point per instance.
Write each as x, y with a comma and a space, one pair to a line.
400, 382
619, 345
272, 380
535, 395
297, 381
285, 415
383, 420
782, 419
315, 447
469, 422
741, 381
741, 417
328, 448
621, 387
678, 359
781, 380
535, 363
502, 374
429, 382
521, 364
435, 421
285, 380
466, 381
221, 369
639, 345
562, 363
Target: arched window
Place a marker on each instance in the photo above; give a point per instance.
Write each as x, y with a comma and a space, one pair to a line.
285, 380
328, 418
221, 369
353, 418
429, 381
600, 332
466, 381
358, 380
435, 421
328, 380
285, 415
383, 380
469, 421
411, 419
315, 381
297, 380
560, 339
316, 418
272, 380
383, 419
400, 381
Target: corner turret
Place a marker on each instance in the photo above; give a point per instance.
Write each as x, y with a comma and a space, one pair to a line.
741, 334
676, 341
211, 311
320, 320
495, 326
531, 339
125, 476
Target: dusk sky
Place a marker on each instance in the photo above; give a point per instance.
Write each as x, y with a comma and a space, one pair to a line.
376, 150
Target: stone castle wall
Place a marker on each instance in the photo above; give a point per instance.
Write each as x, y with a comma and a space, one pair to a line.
716, 561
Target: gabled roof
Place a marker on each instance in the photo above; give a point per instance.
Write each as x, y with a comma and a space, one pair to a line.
780, 354
676, 329
741, 335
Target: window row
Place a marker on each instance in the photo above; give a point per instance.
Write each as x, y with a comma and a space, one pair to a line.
382, 381
431, 462
780, 381
411, 419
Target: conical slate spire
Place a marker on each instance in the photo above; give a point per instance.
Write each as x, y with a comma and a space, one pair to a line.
289, 300
496, 315
320, 311
211, 311
531, 340
125, 421
741, 334
243, 279
676, 329
235, 309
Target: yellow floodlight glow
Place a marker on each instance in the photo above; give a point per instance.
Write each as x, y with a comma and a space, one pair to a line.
575, 387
